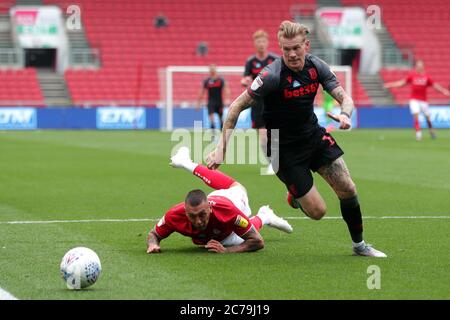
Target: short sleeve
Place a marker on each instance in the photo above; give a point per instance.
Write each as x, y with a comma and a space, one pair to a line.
430, 81
242, 225
266, 82
164, 226
327, 78
205, 83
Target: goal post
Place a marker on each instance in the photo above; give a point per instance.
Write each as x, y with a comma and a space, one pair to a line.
169, 88
180, 85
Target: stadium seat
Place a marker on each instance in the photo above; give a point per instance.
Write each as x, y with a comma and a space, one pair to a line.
20, 87
425, 29
127, 38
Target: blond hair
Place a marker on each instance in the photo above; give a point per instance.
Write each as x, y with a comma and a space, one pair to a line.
260, 34
289, 30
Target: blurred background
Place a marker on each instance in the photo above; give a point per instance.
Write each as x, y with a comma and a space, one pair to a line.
62, 60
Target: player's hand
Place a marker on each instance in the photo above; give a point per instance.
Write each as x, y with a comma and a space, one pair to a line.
246, 81
215, 246
214, 159
345, 122
153, 248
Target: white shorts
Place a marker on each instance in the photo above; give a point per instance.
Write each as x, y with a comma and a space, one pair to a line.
416, 106
237, 195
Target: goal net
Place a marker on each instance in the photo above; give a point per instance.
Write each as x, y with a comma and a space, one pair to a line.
180, 87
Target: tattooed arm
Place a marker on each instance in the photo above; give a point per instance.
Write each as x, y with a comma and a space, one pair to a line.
241, 103
347, 106
252, 242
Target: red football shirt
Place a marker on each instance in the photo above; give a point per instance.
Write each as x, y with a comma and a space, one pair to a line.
419, 84
225, 218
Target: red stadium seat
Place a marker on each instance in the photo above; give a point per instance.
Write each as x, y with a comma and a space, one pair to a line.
127, 39
424, 28
20, 86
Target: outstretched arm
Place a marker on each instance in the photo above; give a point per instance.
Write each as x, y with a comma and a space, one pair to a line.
241, 103
441, 89
252, 242
153, 241
395, 84
347, 106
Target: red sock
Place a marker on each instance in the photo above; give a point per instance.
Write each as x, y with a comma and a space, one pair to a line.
257, 223
416, 124
213, 178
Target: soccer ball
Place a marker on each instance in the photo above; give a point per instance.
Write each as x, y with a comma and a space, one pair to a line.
80, 268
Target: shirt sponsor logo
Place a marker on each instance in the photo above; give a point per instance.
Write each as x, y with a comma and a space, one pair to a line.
241, 222
309, 89
214, 83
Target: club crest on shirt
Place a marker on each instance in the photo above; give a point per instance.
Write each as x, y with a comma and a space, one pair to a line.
312, 73
241, 222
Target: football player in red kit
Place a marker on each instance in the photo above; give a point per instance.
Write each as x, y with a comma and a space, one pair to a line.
219, 221
419, 81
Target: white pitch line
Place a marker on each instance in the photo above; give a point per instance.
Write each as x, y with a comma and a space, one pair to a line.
5, 295
154, 219
374, 217
74, 221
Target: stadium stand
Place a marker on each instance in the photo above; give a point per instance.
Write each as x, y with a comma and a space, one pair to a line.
133, 49
20, 88
424, 27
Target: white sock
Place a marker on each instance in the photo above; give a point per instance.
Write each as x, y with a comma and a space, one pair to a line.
190, 166
358, 244
263, 218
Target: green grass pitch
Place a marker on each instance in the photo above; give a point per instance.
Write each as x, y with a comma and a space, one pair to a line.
95, 175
